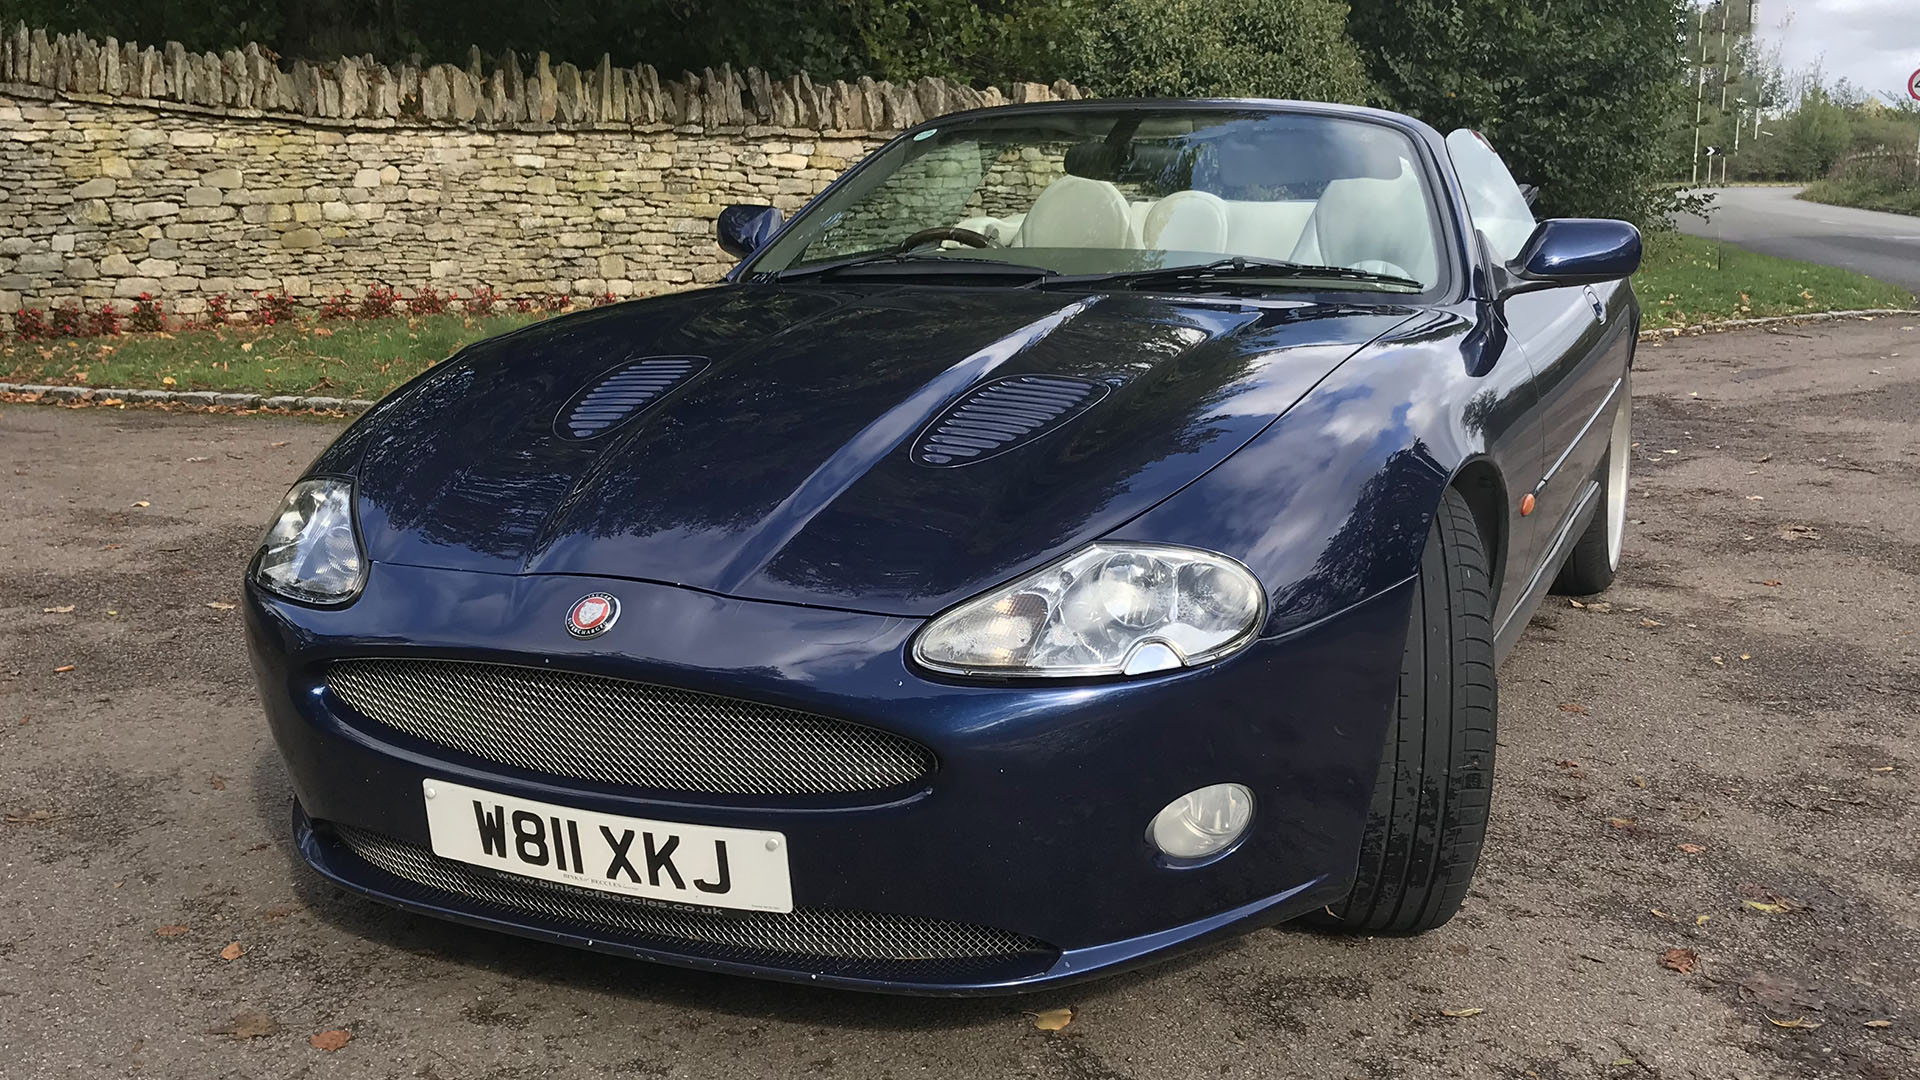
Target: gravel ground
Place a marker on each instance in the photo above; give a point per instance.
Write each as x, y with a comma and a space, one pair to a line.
1718, 758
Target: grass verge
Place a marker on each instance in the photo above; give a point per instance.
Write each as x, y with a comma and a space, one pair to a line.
1867, 193
347, 359
1684, 281
1687, 280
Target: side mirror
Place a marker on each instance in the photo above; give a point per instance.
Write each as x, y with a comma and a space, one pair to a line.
744, 228
1573, 251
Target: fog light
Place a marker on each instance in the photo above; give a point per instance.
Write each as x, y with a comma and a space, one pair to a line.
1202, 822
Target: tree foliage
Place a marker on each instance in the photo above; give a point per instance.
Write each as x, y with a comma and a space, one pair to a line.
1578, 95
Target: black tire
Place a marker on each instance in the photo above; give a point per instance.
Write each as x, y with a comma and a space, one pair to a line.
1429, 814
1595, 557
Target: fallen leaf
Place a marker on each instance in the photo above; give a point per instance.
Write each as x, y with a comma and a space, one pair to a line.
1718, 660
1620, 822
1771, 583
219, 605
196, 460
1680, 960
1052, 1019
1693, 849
166, 380
1651, 623
1568, 706
246, 346
1881, 768
1461, 1013
1623, 1060
1746, 656
143, 504
1639, 781
1567, 764
232, 951
63, 668
1878, 1023
1771, 909
249, 1024
171, 931
1801, 1023
277, 445
113, 401
1701, 920
1756, 498
330, 1040
1576, 603
63, 609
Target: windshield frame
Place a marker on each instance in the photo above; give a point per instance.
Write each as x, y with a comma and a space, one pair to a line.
1453, 261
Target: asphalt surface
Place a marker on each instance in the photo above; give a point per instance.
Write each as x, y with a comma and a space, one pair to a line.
1771, 221
1730, 727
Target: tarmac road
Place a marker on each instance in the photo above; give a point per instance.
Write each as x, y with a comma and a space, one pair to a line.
1771, 221
1731, 726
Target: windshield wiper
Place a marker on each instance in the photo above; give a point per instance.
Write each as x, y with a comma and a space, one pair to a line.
909, 263
1240, 267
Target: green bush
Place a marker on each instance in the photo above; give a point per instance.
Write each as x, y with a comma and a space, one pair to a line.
1194, 48
1578, 96
1869, 192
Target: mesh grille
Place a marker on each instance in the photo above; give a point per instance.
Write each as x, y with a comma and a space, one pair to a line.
848, 942
616, 732
1000, 416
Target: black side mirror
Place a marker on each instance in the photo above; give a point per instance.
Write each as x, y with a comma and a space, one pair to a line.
1573, 251
744, 228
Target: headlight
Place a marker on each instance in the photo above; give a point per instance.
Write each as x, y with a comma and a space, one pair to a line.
1109, 609
311, 552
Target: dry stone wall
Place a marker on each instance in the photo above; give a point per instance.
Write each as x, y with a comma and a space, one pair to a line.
128, 170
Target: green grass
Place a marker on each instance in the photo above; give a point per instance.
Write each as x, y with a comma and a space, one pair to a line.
346, 359
1867, 193
1687, 280
1682, 283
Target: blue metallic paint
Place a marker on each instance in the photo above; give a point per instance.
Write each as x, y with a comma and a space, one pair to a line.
770, 539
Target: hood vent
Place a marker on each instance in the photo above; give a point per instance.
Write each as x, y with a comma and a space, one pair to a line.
1003, 415
623, 393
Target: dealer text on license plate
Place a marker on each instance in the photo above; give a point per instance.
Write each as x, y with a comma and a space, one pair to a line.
660, 860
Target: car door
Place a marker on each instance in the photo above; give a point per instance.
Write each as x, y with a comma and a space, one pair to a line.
1565, 335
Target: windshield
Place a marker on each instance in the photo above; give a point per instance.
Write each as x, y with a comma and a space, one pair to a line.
1129, 190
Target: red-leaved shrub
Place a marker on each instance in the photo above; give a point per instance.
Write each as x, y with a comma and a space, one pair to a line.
147, 315
523, 304
67, 320
426, 301
104, 323
339, 306
482, 300
30, 324
378, 303
554, 301
604, 299
271, 309
219, 309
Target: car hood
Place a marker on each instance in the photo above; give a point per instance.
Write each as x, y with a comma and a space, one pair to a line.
783, 466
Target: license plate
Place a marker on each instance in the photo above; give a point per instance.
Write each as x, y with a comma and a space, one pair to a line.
659, 860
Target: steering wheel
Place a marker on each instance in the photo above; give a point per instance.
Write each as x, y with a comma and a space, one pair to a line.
947, 232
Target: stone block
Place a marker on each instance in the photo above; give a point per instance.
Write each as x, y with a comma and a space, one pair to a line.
97, 188
221, 178
238, 401
40, 262
191, 139
116, 265
204, 196
128, 288
299, 239
117, 167
158, 268
336, 211
366, 178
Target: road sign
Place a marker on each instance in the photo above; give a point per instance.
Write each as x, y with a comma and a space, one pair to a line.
1913, 86
1713, 151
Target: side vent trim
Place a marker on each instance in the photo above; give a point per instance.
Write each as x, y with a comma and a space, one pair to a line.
1003, 415
623, 393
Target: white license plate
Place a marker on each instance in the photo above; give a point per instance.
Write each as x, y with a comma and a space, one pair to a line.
660, 860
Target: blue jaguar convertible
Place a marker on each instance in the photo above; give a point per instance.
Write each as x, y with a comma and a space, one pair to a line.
1083, 531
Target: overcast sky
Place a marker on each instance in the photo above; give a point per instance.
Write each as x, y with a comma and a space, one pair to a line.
1874, 43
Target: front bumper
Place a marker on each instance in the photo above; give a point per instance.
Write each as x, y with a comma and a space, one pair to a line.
1033, 824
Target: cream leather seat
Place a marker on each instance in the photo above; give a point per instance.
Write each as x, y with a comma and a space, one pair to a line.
1376, 225
1075, 212
1187, 221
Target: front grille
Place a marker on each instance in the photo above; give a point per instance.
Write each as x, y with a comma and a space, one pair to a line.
613, 731
853, 943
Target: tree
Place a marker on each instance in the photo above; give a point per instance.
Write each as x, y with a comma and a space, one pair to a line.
1580, 98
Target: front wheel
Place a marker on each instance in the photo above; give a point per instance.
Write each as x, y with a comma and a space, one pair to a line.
1430, 800
1595, 557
